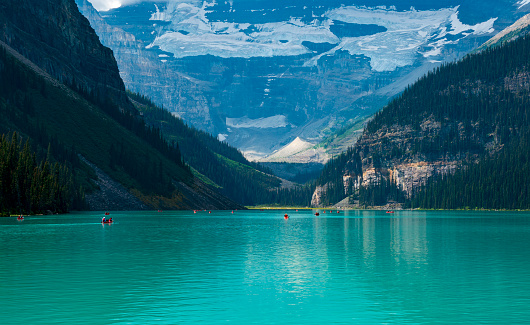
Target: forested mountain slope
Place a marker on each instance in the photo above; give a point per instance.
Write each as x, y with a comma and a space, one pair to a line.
125, 152
72, 106
465, 117
245, 182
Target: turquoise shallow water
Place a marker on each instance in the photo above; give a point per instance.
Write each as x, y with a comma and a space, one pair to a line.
254, 267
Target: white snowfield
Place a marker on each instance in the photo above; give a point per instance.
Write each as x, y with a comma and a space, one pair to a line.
408, 34
192, 35
271, 122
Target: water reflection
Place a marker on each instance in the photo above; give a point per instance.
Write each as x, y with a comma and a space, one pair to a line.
254, 268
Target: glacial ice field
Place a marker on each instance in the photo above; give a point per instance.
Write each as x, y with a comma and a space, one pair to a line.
407, 35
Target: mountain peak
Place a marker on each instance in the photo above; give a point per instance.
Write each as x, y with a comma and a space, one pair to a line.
517, 29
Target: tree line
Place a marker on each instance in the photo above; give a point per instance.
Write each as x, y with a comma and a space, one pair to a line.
28, 186
498, 182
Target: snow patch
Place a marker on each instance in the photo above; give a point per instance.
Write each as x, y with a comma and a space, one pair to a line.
478, 29
522, 3
276, 121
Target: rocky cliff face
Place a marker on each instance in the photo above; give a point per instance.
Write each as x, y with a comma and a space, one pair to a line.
146, 73
388, 155
57, 38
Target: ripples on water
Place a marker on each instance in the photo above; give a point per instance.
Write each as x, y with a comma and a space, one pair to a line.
254, 267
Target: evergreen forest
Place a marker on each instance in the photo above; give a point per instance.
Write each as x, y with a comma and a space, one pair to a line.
63, 123
28, 186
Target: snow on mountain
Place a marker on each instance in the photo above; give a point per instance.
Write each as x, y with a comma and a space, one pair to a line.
191, 34
522, 3
408, 34
271, 122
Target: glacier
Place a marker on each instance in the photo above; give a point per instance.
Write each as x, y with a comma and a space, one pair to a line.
408, 34
191, 34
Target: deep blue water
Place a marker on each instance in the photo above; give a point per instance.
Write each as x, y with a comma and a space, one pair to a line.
254, 267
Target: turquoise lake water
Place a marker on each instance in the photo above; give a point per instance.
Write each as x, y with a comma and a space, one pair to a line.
254, 267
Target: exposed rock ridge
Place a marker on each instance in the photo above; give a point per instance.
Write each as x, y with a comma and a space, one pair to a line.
517, 29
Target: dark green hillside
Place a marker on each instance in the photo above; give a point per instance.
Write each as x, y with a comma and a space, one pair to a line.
243, 181
485, 98
474, 112
117, 142
490, 88
498, 182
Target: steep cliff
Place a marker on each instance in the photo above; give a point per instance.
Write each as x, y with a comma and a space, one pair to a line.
56, 37
146, 73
